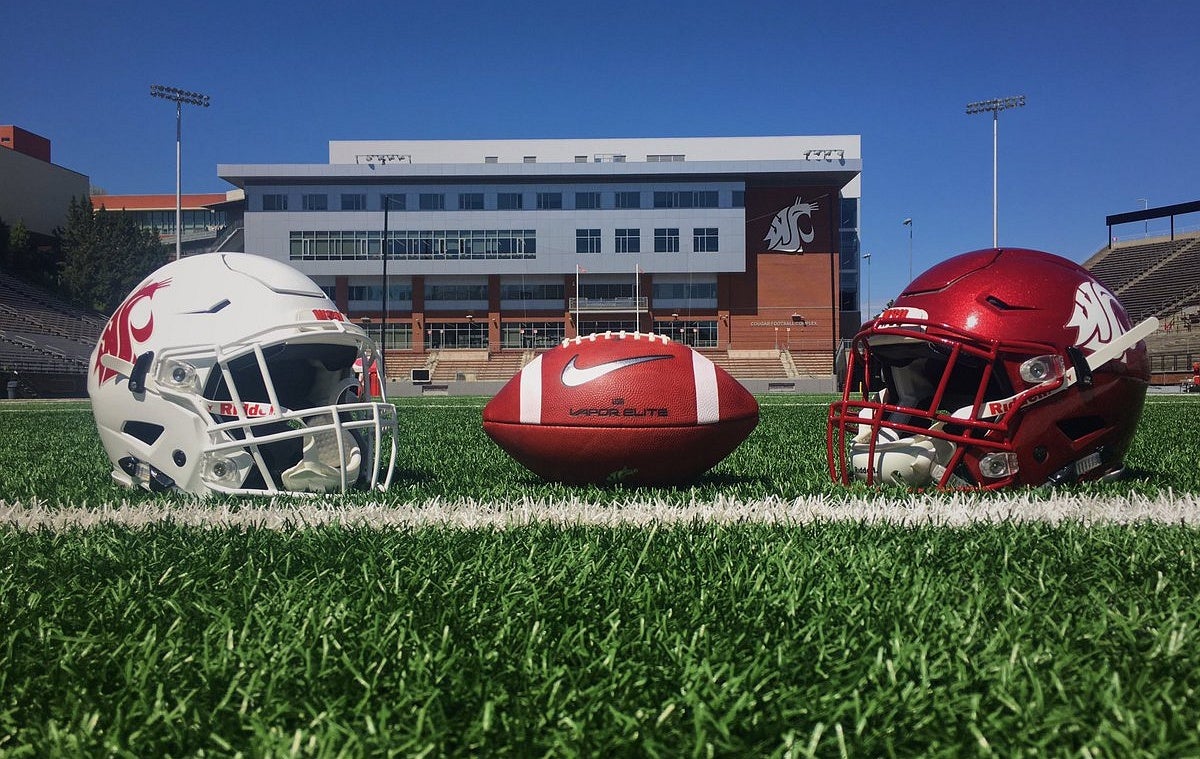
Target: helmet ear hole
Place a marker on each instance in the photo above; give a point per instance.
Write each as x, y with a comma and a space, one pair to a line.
144, 431
1079, 427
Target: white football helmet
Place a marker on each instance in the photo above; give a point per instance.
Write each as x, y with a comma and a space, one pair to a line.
233, 373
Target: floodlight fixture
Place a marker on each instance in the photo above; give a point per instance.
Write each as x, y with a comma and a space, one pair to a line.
179, 98
994, 106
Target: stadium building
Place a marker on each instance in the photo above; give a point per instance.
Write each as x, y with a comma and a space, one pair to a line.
34, 191
204, 217
742, 245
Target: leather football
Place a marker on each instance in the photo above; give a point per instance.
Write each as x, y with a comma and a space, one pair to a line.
621, 407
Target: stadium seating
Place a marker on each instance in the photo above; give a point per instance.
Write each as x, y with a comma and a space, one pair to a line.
44, 341
1158, 278
1154, 278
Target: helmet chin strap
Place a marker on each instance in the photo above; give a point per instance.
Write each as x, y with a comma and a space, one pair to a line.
320, 467
914, 461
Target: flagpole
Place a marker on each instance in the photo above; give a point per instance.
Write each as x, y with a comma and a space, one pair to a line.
577, 332
637, 301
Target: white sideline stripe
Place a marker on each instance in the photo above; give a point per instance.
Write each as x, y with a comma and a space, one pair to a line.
708, 404
531, 392
957, 510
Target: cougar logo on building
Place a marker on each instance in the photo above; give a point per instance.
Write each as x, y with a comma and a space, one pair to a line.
1095, 316
119, 334
788, 234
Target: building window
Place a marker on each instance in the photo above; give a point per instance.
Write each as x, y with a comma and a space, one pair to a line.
663, 158
314, 202
354, 201
587, 200
700, 294
549, 201
432, 201
739, 198
456, 335
274, 201
393, 201
629, 241
629, 200
704, 240
698, 334
587, 240
525, 292
470, 201
456, 293
529, 159
531, 334
666, 240
413, 245
398, 294
509, 201
686, 199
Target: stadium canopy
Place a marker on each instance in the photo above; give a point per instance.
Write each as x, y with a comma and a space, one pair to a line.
1153, 213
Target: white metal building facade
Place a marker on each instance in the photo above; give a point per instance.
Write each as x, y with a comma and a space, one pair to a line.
490, 242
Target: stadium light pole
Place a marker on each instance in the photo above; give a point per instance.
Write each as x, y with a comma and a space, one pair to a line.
867, 258
1145, 222
994, 106
908, 223
384, 250
178, 97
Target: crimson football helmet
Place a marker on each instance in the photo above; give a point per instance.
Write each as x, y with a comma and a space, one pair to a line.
234, 373
996, 367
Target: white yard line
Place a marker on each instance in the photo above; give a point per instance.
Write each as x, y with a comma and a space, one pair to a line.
949, 510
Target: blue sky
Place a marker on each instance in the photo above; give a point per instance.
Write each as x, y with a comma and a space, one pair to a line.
1113, 113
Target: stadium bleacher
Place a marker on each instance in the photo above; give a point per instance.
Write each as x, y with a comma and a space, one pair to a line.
45, 342
1158, 277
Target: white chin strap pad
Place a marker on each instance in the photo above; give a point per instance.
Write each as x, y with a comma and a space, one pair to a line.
911, 461
319, 469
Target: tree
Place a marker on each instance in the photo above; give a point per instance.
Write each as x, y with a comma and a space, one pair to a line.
105, 255
5, 259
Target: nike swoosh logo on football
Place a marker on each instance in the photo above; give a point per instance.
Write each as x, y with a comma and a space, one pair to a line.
573, 376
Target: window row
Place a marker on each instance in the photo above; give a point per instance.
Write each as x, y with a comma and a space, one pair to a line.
436, 244
402, 292
505, 201
666, 240
548, 291
698, 334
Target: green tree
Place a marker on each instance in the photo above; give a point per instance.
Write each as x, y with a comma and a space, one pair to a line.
104, 255
5, 259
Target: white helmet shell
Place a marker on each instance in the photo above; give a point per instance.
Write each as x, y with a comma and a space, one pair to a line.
233, 373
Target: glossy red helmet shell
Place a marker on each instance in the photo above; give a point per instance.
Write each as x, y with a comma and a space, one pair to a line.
993, 368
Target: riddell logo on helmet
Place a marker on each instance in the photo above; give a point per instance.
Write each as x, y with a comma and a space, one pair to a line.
250, 409
1095, 316
119, 335
328, 315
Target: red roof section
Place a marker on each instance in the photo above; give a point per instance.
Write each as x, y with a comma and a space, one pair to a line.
155, 202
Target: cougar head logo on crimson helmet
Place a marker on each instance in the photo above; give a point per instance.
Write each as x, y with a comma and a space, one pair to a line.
1095, 316
234, 373
994, 368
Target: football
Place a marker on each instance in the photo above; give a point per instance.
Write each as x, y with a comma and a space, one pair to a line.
621, 407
